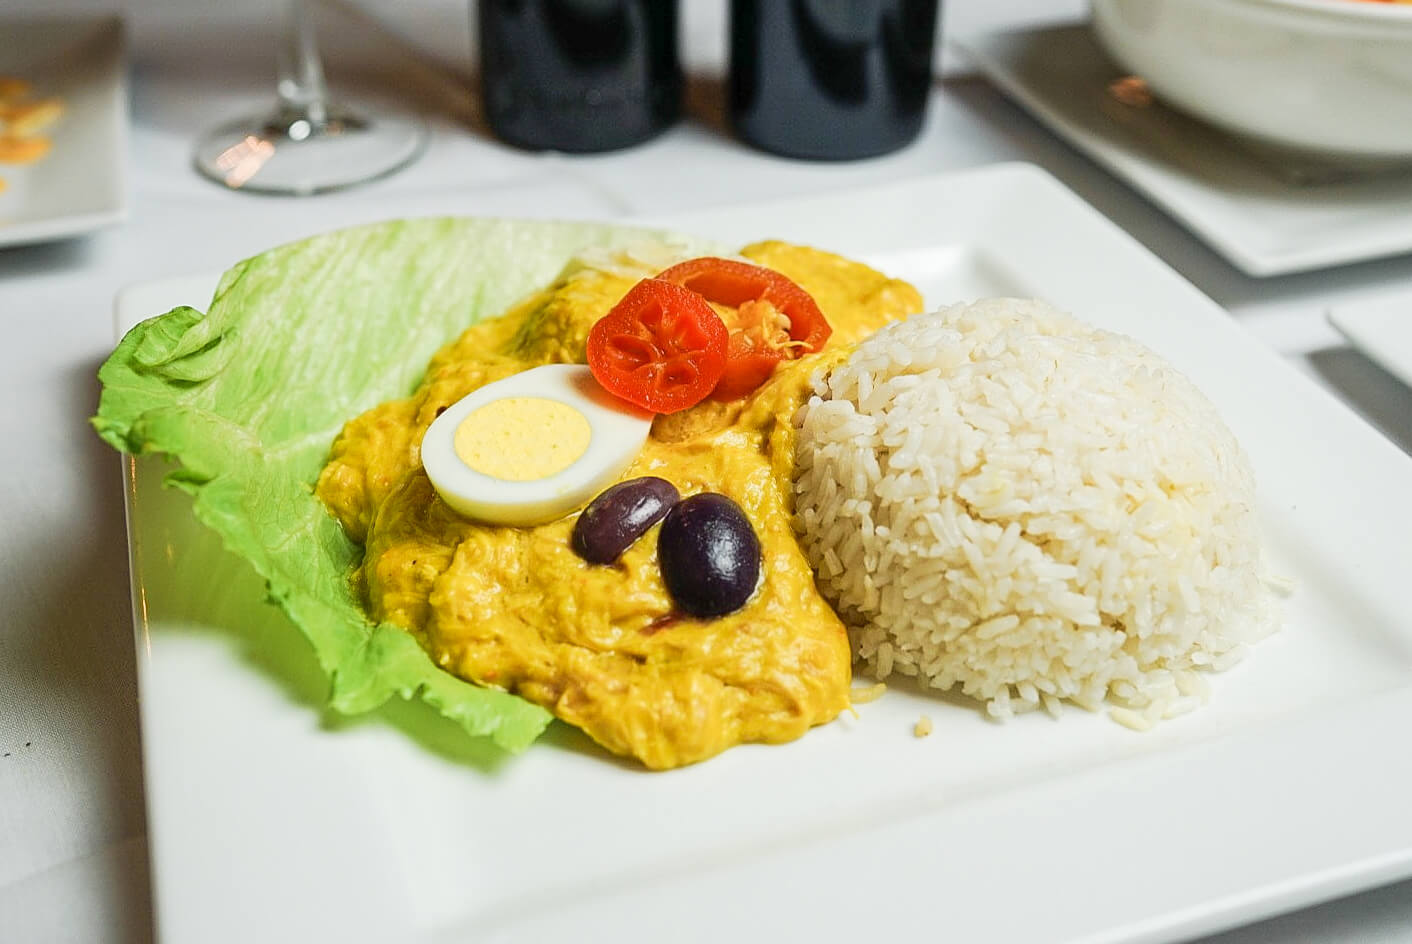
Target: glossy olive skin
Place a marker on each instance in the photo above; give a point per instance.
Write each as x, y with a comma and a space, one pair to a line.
709, 555
620, 515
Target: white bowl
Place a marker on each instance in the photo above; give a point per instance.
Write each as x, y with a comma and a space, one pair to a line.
1327, 76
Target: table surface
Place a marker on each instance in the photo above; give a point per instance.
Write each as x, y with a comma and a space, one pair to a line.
73, 857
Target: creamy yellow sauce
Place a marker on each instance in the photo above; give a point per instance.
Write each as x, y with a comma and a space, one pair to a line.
602, 646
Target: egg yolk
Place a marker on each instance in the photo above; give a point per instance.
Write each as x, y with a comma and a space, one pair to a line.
522, 439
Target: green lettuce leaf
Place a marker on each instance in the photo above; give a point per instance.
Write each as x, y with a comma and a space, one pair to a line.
249, 397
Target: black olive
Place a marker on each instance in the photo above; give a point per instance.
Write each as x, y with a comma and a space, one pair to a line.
619, 516
709, 554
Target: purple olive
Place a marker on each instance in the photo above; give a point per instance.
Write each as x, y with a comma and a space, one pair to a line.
709, 554
619, 516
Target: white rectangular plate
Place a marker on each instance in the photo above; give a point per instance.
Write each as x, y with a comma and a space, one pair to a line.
267, 815
80, 185
1242, 199
1381, 328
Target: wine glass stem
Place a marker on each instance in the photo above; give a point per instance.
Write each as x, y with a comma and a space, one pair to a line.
301, 74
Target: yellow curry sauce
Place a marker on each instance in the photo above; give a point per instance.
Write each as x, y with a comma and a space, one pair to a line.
601, 646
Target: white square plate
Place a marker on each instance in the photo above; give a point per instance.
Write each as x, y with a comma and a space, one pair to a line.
271, 821
1265, 211
79, 186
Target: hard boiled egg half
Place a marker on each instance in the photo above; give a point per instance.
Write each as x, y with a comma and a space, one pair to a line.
532, 447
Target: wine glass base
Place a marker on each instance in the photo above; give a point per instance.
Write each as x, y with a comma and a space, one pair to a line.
287, 152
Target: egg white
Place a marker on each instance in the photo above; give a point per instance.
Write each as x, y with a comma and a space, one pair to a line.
618, 431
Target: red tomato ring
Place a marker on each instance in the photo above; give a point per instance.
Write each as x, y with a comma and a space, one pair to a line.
661, 347
733, 283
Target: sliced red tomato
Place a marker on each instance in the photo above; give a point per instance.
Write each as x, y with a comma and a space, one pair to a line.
775, 319
662, 347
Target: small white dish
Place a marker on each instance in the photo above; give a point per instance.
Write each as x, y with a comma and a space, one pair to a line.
1325, 76
269, 821
1267, 211
1381, 328
81, 184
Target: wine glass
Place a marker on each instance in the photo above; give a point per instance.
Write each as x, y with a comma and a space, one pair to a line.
308, 144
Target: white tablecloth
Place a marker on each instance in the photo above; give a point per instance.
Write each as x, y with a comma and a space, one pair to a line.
73, 863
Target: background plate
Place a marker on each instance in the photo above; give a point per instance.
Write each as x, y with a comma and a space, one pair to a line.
80, 185
1381, 328
269, 819
1266, 211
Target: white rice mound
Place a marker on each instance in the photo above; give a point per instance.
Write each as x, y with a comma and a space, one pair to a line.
1000, 498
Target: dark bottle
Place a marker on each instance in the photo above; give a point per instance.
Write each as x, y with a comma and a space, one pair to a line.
830, 79
579, 75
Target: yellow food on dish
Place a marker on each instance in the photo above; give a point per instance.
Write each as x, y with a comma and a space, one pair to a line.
22, 122
23, 150
604, 647
27, 119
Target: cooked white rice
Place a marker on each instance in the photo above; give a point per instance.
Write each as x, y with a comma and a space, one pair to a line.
1000, 498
